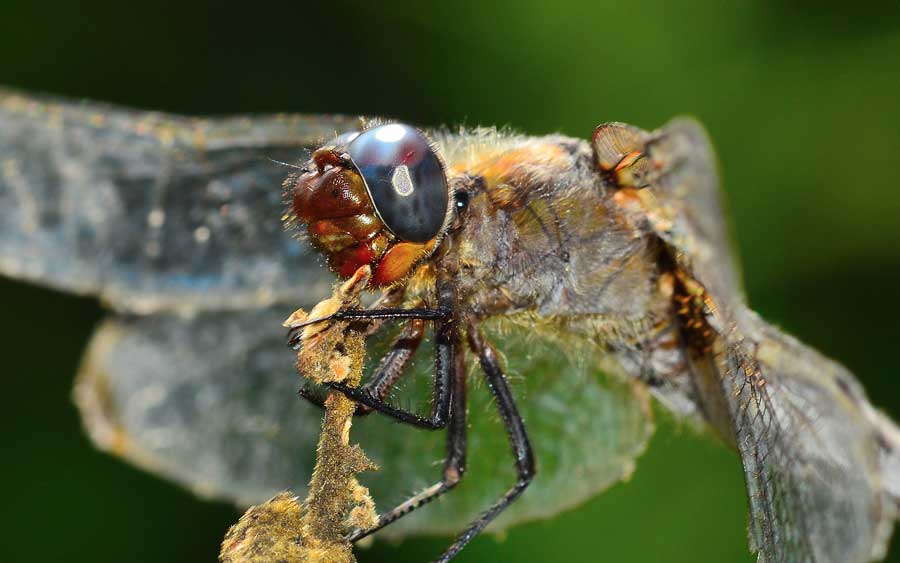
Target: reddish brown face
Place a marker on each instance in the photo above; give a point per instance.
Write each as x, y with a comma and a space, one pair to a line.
331, 199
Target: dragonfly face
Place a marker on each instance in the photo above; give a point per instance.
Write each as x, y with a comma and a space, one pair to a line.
380, 199
551, 250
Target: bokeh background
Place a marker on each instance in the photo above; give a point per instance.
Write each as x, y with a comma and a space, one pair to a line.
800, 97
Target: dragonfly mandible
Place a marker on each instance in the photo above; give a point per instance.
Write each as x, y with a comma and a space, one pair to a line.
523, 247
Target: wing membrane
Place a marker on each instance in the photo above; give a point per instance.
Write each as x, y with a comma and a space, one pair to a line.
210, 401
820, 463
689, 208
816, 455
151, 211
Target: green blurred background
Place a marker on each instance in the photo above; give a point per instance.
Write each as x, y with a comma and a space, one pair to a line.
800, 98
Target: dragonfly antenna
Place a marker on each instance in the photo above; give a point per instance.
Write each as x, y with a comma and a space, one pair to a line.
288, 164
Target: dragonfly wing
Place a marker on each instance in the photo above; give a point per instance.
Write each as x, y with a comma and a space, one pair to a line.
210, 402
820, 463
817, 457
148, 210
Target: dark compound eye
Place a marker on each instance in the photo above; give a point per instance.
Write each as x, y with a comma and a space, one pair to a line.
404, 178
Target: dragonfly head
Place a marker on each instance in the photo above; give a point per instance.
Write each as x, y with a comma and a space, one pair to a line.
379, 197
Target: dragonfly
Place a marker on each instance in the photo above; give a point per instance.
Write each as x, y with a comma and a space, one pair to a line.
594, 274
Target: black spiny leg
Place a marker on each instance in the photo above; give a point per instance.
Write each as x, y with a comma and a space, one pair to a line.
449, 406
393, 363
455, 462
424, 313
389, 369
440, 405
387, 301
518, 439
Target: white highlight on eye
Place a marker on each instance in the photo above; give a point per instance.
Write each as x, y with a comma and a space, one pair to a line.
390, 133
402, 181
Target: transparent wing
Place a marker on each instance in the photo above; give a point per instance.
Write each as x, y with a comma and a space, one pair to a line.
210, 401
820, 463
148, 210
816, 456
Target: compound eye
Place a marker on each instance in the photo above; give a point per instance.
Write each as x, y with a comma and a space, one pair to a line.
404, 178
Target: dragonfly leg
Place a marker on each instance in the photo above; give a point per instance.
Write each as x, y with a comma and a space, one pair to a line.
444, 348
454, 463
314, 398
393, 363
389, 300
518, 439
423, 313
389, 369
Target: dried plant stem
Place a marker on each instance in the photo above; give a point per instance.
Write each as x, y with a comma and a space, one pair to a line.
281, 529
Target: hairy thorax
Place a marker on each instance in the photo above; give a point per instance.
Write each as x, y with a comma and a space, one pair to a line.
543, 241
